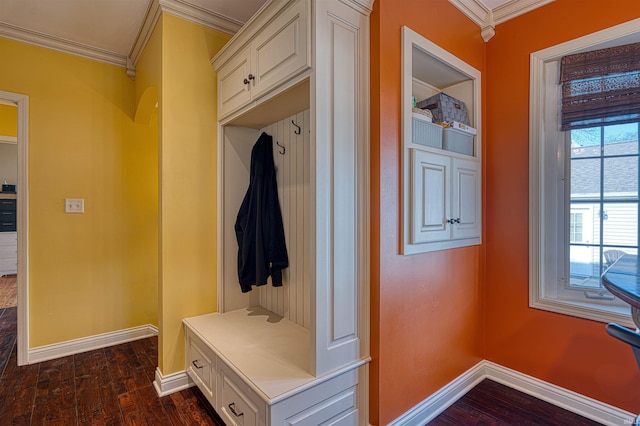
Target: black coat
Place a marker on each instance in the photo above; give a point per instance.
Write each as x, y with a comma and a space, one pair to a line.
259, 230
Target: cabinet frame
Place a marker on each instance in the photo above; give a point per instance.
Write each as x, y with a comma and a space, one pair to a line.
443, 67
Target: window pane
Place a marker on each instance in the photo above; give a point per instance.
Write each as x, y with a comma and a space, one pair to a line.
585, 178
611, 254
584, 266
585, 142
620, 224
621, 139
621, 177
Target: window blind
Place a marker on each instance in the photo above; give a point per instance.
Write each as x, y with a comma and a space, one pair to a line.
601, 87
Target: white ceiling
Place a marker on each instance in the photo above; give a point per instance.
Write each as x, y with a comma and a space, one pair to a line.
111, 30
114, 31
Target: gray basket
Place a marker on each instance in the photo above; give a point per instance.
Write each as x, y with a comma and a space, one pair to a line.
457, 141
426, 133
446, 108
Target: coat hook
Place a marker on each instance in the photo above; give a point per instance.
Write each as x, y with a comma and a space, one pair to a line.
298, 131
283, 150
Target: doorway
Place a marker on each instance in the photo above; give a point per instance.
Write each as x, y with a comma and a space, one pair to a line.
21, 103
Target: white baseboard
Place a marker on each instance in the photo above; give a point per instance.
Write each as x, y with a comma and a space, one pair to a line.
431, 407
166, 385
71, 347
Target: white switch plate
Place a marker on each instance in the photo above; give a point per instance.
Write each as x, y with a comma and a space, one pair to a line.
74, 205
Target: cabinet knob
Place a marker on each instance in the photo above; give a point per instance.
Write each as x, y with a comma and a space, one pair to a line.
232, 407
251, 77
195, 364
457, 220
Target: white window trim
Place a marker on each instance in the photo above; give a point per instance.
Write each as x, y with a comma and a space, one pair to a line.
541, 223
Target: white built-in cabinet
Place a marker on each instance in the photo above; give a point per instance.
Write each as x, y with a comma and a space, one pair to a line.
278, 51
296, 354
442, 189
8, 253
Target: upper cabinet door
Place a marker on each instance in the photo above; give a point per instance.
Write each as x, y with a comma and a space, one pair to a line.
280, 51
234, 83
466, 207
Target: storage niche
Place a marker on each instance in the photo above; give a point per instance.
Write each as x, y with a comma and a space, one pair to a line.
294, 354
442, 172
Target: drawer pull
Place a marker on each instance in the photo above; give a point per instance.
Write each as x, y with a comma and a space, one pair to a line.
232, 407
195, 364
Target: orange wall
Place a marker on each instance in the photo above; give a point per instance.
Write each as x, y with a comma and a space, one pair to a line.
573, 353
426, 309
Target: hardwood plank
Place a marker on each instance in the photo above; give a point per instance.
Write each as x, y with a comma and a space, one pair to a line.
15, 378
185, 408
496, 404
127, 372
55, 402
16, 407
97, 401
56, 371
142, 407
8, 320
147, 353
7, 342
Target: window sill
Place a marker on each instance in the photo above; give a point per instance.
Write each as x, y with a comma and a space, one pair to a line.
590, 311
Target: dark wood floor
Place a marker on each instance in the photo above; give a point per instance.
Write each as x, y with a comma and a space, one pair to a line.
490, 403
113, 386
110, 386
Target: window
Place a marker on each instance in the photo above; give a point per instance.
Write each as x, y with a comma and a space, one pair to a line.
575, 227
603, 178
583, 187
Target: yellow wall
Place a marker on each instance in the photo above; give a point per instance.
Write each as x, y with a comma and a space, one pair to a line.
188, 118
96, 272
8, 120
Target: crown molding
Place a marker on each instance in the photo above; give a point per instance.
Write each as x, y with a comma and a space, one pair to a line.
198, 15
61, 45
363, 6
179, 8
150, 20
515, 8
487, 19
474, 9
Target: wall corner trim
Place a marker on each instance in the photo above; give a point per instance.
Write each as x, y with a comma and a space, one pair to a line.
171, 383
587, 407
84, 344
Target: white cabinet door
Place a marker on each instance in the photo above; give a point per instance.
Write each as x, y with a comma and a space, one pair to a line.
274, 55
466, 199
280, 50
430, 197
234, 83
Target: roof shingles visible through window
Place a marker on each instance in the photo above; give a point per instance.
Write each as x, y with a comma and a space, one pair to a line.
620, 174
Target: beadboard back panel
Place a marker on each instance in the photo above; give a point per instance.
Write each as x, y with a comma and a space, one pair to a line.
291, 150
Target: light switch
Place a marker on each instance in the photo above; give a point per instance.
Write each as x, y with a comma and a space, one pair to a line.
74, 205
